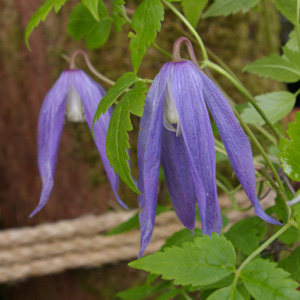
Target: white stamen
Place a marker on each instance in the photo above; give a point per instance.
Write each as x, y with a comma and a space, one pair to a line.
170, 111
74, 107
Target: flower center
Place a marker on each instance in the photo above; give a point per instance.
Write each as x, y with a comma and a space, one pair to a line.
74, 107
171, 119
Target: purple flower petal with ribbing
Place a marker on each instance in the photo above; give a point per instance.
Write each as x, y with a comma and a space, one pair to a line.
178, 176
149, 154
235, 141
51, 122
91, 94
198, 137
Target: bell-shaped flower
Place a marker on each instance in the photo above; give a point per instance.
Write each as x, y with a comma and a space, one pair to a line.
76, 96
175, 131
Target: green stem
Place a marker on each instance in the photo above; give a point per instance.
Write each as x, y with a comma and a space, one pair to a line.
265, 133
158, 48
267, 26
259, 250
244, 92
263, 153
189, 26
297, 23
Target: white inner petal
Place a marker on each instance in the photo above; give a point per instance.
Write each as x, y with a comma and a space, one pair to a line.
74, 107
170, 112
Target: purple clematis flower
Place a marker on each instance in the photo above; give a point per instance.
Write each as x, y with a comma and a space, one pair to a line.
175, 131
75, 95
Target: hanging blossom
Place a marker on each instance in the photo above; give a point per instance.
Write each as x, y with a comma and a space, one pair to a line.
175, 131
76, 96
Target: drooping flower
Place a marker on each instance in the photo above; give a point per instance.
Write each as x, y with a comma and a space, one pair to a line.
77, 96
175, 131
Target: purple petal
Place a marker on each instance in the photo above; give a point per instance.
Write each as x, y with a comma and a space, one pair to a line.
149, 152
51, 121
91, 94
235, 141
175, 163
198, 137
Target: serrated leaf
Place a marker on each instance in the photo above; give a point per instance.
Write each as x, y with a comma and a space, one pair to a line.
82, 23
145, 22
292, 264
117, 137
290, 155
264, 281
124, 82
92, 6
192, 10
293, 42
204, 261
246, 234
41, 15
182, 236
227, 293
282, 68
118, 18
275, 105
288, 8
227, 7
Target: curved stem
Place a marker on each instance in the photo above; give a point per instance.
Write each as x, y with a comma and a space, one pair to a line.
89, 65
297, 23
244, 92
158, 48
189, 26
259, 250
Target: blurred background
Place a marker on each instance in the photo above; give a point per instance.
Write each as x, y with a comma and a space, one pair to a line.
81, 186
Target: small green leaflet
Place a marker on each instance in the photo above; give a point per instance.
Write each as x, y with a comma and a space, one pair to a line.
246, 234
264, 281
41, 15
117, 137
282, 68
292, 264
275, 105
227, 293
118, 18
145, 22
194, 263
123, 83
192, 10
92, 6
290, 155
291, 236
292, 43
82, 23
288, 9
227, 7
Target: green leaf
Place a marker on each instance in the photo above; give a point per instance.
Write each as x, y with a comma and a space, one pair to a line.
168, 295
275, 105
292, 264
227, 293
246, 234
145, 22
290, 236
192, 10
130, 224
92, 6
117, 137
292, 43
282, 68
264, 281
118, 18
288, 8
290, 155
202, 262
124, 82
142, 292
182, 236
82, 23
227, 7
41, 15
